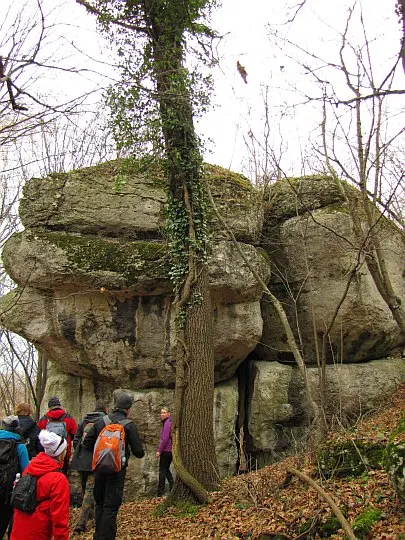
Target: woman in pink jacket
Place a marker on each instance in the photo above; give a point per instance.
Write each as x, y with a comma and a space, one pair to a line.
51, 517
164, 452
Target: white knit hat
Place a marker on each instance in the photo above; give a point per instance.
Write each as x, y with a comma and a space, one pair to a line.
53, 445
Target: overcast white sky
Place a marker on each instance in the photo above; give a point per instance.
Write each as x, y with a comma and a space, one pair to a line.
238, 106
316, 27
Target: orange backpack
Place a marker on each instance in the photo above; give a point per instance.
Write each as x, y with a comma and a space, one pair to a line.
109, 450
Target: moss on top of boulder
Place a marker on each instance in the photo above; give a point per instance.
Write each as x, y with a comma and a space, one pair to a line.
289, 197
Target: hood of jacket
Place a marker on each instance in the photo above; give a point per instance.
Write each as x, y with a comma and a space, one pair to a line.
55, 414
93, 416
41, 464
4, 434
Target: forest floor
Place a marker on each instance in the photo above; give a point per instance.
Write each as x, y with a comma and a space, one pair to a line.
259, 506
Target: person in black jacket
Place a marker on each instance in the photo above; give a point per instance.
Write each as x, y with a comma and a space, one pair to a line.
82, 460
109, 488
28, 429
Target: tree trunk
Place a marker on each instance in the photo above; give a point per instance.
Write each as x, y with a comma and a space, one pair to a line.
193, 435
41, 377
196, 416
163, 25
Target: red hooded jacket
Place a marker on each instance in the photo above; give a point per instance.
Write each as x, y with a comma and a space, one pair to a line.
51, 516
70, 422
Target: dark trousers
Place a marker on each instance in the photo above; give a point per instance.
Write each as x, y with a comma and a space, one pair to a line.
6, 513
108, 492
164, 472
87, 484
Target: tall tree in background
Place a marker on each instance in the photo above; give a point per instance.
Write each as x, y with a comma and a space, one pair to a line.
154, 108
400, 10
358, 98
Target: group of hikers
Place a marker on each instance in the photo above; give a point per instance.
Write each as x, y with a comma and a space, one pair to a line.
35, 459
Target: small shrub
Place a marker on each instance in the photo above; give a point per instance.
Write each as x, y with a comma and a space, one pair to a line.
394, 459
349, 458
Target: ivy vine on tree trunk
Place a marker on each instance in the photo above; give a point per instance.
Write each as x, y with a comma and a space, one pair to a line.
153, 109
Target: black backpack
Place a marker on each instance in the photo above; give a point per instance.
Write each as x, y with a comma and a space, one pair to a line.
9, 465
24, 496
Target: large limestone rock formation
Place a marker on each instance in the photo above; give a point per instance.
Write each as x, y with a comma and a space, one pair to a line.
309, 238
97, 300
93, 294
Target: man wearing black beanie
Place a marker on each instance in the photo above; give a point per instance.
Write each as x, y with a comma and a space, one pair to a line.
109, 488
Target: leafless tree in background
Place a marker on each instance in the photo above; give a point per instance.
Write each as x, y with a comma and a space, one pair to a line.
42, 74
400, 10
43, 129
58, 146
360, 140
40, 132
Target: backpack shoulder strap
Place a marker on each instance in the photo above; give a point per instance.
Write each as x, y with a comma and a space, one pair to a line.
106, 420
125, 422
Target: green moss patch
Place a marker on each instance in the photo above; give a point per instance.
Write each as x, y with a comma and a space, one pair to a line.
363, 524
94, 254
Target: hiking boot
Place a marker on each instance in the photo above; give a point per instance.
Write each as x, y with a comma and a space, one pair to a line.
80, 528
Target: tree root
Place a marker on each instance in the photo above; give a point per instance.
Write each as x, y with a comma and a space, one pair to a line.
188, 479
343, 521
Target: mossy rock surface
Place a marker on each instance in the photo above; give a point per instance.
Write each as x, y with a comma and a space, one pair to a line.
127, 197
238, 201
290, 197
57, 258
363, 523
130, 259
320, 529
349, 458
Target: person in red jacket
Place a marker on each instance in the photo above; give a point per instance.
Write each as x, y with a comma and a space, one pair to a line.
51, 517
55, 413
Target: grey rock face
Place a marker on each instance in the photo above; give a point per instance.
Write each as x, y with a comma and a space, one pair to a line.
117, 199
312, 255
278, 425
111, 198
293, 197
95, 295
91, 334
54, 260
